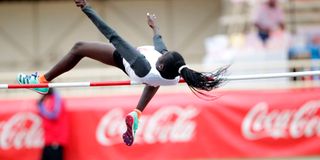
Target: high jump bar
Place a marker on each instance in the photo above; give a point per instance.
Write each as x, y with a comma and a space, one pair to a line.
128, 82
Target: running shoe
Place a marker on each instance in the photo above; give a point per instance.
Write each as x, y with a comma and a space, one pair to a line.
31, 79
132, 122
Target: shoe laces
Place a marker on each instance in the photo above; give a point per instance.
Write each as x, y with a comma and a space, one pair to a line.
33, 75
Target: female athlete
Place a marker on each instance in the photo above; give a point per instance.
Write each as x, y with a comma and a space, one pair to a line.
152, 66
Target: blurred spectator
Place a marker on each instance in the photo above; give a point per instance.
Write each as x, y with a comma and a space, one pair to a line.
314, 50
268, 18
55, 125
298, 51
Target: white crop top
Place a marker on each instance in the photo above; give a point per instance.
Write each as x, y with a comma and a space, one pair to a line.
153, 78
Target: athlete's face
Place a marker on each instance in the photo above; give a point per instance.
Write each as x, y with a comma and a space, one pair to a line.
160, 65
167, 64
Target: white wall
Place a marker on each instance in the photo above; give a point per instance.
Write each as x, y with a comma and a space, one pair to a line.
35, 35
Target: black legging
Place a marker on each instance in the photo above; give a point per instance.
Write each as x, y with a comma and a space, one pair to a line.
104, 52
136, 60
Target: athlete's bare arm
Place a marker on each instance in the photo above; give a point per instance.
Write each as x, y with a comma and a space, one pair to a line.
147, 95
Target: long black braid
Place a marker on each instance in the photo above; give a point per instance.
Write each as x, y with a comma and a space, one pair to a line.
200, 83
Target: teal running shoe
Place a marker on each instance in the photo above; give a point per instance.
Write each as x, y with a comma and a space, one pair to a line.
132, 122
31, 79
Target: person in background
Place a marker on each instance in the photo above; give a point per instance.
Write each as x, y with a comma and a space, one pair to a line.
268, 18
55, 125
314, 50
298, 50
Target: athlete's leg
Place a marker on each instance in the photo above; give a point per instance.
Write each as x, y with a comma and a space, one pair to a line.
136, 60
104, 53
98, 51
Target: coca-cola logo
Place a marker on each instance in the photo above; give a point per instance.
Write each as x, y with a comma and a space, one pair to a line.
167, 124
262, 122
22, 130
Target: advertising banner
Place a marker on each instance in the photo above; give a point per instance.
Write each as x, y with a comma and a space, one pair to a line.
240, 124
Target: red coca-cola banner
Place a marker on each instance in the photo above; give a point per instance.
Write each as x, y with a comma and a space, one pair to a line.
269, 123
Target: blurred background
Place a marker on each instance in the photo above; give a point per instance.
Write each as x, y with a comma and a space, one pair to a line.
34, 35
253, 36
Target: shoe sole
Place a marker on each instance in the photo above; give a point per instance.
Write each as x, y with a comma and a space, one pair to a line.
128, 135
43, 93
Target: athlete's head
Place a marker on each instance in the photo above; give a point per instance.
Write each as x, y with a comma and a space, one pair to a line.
172, 64
169, 63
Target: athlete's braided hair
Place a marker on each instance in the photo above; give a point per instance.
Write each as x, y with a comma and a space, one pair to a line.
200, 83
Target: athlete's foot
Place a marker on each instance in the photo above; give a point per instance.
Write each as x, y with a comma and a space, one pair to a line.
132, 122
31, 79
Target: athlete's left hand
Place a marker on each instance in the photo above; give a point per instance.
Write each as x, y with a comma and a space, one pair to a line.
151, 20
81, 3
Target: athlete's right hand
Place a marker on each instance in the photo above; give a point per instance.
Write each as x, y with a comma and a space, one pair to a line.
81, 3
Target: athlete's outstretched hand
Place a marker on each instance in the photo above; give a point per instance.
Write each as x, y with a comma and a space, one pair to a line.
81, 3
151, 20
152, 23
